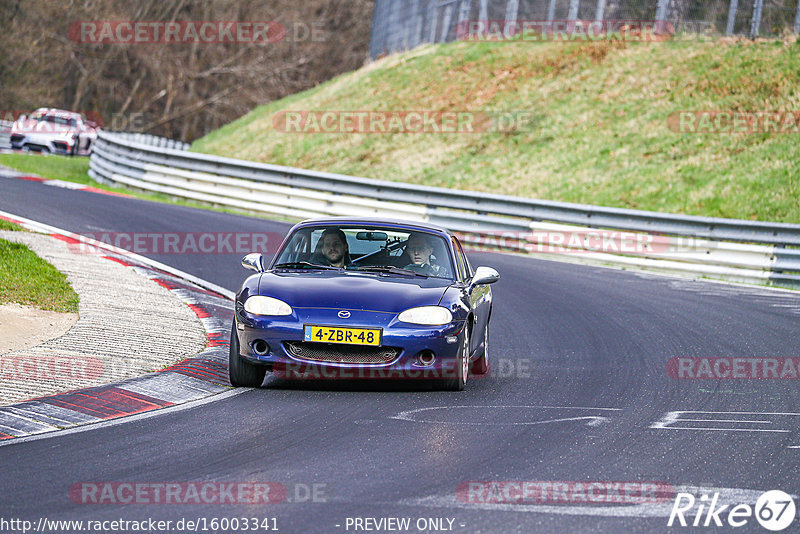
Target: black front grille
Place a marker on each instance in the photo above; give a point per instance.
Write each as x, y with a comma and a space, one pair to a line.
327, 352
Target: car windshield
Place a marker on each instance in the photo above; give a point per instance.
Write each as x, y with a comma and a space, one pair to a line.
55, 119
385, 250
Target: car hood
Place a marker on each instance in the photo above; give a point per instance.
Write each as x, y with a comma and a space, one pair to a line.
36, 127
352, 291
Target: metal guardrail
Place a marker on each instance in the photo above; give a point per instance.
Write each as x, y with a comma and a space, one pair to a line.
152, 140
738, 250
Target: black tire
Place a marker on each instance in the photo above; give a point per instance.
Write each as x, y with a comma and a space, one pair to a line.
459, 381
481, 365
241, 372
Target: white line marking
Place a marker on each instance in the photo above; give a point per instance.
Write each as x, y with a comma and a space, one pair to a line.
720, 429
671, 418
725, 421
593, 420
65, 185
743, 413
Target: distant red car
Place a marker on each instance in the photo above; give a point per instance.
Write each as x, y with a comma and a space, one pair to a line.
55, 131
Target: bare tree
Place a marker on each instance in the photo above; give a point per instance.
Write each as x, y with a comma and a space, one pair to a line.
181, 90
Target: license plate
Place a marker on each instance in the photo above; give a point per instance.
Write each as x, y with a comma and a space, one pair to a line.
349, 336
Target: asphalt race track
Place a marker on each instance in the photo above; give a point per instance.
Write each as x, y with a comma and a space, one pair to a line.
579, 392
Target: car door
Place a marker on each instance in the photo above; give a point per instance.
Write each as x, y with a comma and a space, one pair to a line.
479, 297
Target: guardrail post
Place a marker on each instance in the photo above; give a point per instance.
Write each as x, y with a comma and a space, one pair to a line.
732, 9
573, 9
448, 16
388, 22
433, 8
402, 27
416, 38
797, 19
378, 31
755, 26
661, 10
406, 25
601, 10
512, 9
463, 12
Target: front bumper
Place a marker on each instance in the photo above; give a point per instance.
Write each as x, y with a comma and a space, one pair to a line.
38, 142
405, 341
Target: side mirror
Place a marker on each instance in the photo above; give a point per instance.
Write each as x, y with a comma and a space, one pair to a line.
484, 275
253, 262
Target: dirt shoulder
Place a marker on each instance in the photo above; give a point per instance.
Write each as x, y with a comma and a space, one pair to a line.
22, 327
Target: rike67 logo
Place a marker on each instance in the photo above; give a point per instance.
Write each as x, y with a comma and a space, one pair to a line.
774, 510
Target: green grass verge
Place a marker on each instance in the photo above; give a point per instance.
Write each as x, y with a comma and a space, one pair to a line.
27, 279
71, 169
599, 132
6, 225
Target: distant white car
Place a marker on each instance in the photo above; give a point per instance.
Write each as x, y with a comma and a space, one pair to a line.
54, 131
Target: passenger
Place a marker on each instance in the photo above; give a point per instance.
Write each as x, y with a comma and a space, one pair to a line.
419, 249
333, 249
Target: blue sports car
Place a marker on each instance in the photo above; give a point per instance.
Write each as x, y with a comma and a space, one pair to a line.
363, 298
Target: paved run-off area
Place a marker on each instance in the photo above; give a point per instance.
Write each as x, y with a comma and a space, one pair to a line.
128, 325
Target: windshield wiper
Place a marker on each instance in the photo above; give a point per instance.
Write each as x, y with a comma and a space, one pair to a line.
390, 269
305, 265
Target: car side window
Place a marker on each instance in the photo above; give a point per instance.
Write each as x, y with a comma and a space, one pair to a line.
464, 271
467, 264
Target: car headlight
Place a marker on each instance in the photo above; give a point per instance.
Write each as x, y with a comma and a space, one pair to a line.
432, 315
258, 305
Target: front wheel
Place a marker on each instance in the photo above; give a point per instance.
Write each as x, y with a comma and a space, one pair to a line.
240, 372
459, 382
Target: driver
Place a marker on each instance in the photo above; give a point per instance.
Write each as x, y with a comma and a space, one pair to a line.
333, 248
419, 249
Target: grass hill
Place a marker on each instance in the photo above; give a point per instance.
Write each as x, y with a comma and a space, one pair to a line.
600, 128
